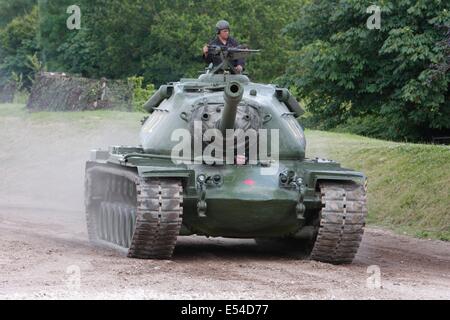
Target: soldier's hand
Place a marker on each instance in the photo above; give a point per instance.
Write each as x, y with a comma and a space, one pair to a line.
205, 50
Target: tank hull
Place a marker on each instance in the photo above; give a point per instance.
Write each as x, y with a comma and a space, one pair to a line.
245, 203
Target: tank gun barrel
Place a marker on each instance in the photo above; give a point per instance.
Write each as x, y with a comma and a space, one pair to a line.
233, 94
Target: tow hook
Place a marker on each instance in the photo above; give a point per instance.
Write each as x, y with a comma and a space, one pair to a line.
202, 182
300, 208
202, 206
289, 179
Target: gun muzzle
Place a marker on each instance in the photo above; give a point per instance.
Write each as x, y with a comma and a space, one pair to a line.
233, 94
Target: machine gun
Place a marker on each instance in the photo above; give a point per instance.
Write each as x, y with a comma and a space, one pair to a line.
228, 55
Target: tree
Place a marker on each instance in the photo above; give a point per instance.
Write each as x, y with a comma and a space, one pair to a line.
18, 46
190, 24
161, 39
12, 9
347, 72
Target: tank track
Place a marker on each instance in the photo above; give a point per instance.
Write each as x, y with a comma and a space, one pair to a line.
124, 210
342, 222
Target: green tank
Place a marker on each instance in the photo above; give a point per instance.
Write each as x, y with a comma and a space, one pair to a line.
221, 156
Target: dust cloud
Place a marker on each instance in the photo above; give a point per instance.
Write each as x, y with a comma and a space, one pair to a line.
42, 163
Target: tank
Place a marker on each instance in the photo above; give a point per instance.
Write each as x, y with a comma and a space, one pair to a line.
221, 156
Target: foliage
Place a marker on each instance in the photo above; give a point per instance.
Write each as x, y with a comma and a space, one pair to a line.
18, 42
17, 79
347, 71
391, 83
10, 9
21, 97
35, 66
369, 125
140, 93
161, 40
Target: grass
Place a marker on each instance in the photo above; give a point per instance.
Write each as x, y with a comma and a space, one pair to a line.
409, 184
86, 120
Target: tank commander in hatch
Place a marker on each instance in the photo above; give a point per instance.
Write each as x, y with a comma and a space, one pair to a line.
223, 39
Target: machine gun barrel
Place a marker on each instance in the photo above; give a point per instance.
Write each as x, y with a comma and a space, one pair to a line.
233, 94
228, 56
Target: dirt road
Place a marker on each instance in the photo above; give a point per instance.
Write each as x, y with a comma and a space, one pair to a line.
41, 257
44, 252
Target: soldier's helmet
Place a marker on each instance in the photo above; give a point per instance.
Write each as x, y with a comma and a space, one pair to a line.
222, 25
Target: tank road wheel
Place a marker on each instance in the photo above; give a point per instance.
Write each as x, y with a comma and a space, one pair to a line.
342, 222
143, 216
112, 225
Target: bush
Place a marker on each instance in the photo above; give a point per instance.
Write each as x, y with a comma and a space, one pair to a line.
140, 93
371, 125
21, 97
19, 48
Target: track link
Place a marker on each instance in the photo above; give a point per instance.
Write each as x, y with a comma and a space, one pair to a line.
342, 222
124, 210
159, 219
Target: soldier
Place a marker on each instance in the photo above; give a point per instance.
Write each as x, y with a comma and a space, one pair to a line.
223, 39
